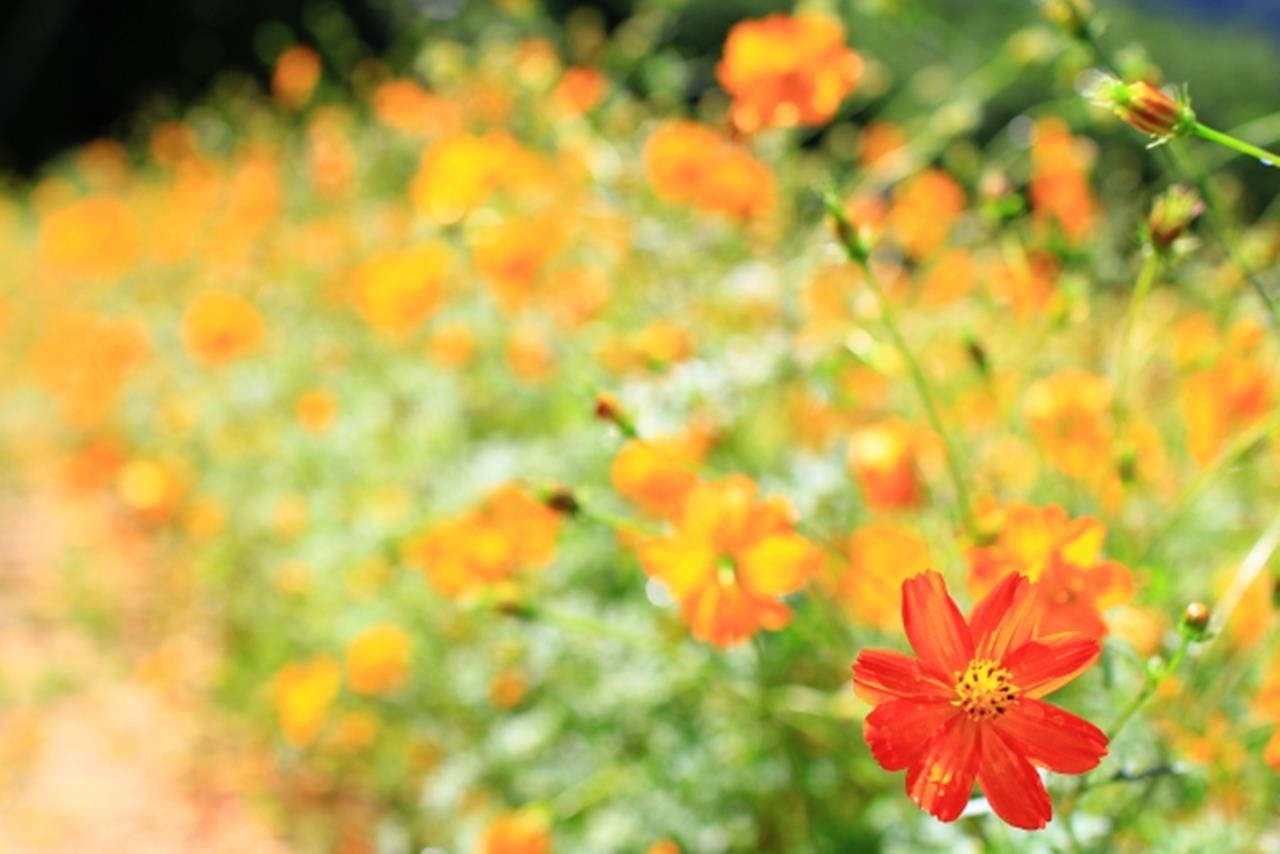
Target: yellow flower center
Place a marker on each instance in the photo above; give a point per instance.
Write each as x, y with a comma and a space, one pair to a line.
985, 690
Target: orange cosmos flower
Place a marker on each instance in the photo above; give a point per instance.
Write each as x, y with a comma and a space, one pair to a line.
149, 488
511, 256
881, 556
378, 659
1069, 414
456, 174
295, 76
451, 345
303, 692
333, 157
509, 532
575, 295
951, 278
923, 210
525, 831
787, 70
94, 464
396, 291
84, 361
688, 163
1059, 187
405, 106
529, 354
220, 327
1027, 283
316, 410
508, 688
94, 238
968, 707
1063, 556
730, 561
881, 145
1223, 399
579, 90
882, 458
658, 473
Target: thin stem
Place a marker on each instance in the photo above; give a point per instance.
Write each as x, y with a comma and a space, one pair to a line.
1247, 573
1146, 278
1149, 687
1235, 143
857, 253
1230, 455
1184, 164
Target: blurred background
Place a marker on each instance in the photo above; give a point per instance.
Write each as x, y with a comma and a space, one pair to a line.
72, 70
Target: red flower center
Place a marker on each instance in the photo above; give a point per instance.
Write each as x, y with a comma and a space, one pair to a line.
985, 690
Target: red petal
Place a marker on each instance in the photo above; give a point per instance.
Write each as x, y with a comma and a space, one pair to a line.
934, 625
1005, 618
1044, 665
941, 780
880, 675
899, 731
1053, 738
1012, 785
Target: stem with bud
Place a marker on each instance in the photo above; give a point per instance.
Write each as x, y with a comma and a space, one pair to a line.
858, 252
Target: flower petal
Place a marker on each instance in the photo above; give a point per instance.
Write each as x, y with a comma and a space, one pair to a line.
880, 675
682, 563
1011, 784
899, 731
934, 625
1005, 618
941, 780
777, 565
1044, 665
1052, 737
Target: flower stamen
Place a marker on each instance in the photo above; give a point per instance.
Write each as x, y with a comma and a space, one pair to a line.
985, 690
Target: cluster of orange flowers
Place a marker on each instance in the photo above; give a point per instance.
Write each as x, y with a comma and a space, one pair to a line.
511, 531
691, 164
519, 246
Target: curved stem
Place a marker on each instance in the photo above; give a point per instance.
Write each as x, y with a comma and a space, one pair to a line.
1236, 144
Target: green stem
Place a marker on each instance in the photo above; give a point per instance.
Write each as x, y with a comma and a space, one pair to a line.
1146, 278
1150, 684
1190, 494
1185, 164
1149, 687
858, 254
1235, 143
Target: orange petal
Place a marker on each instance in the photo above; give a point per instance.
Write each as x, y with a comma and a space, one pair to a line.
941, 780
880, 675
777, 565
1012, 785
1042, 666
899, 732
934, 625
1052, 738
1005, 619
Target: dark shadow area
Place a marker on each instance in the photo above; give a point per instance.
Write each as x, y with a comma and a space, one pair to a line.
70, 70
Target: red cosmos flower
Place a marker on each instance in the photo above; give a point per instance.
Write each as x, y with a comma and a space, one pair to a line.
968, 707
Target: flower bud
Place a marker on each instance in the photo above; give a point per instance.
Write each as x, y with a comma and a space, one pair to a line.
608, 409
1195, 621
562, 500
1072, 16
1142, 105
1172, 214
851, 239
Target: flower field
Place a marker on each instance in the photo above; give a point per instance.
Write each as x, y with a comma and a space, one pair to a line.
538, 439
